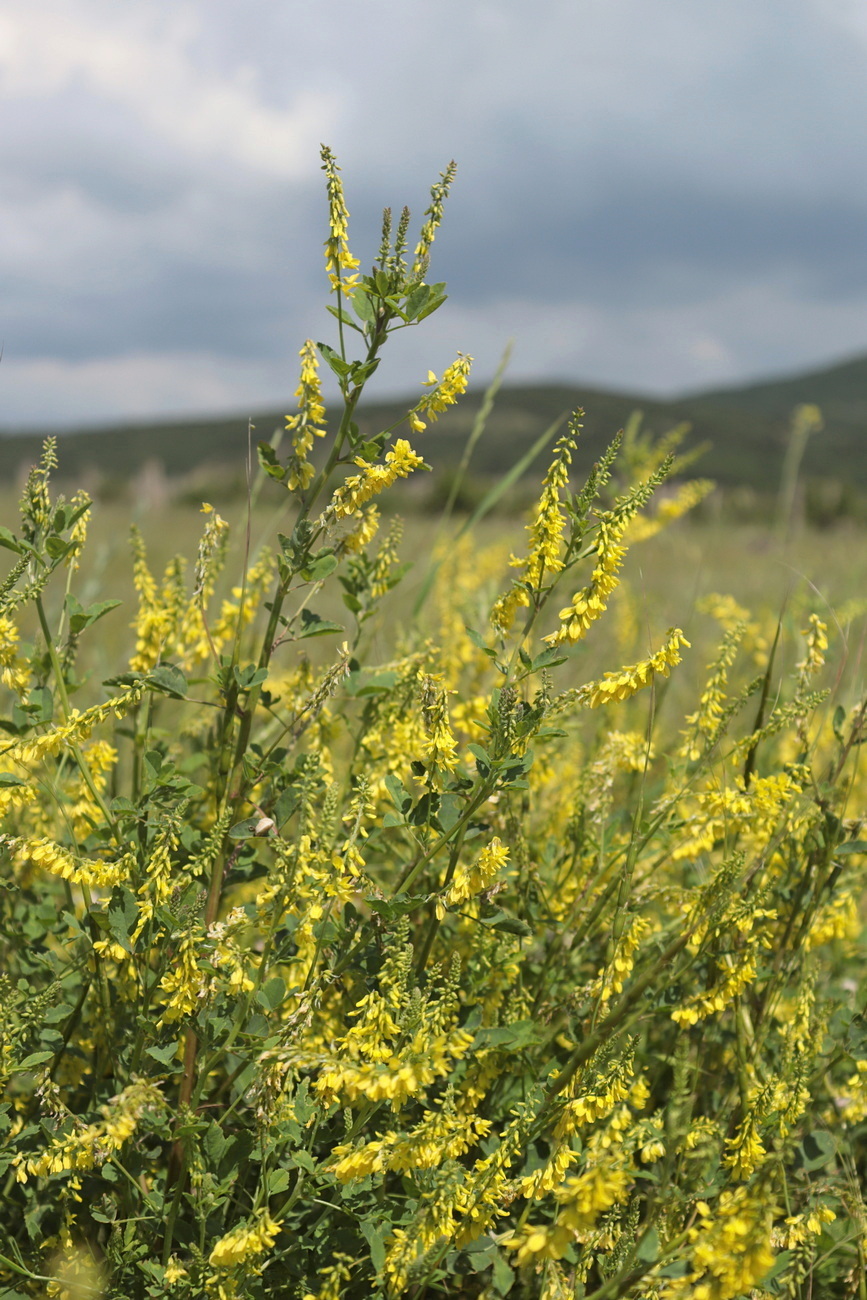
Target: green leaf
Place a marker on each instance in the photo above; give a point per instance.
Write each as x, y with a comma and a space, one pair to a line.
451, 810
484, 762
57, 548
434, 302
278, 1181
503, 1276
400, 797
839, 722
286, 805
9, 542
35, 1058
417, 300
549, 658
249, 676
781, 1263
850, 846
122, 915
269, 463
478, 640
343, 316
501, 920
375, 1234
509, 1038
648, 1250
301, 1103
167, 1056
41, 704
168, 680
215, 1144
677, 1268
319, 567
394, 908
363, 307
81, 617
246, 829
362, 370
7, 779
303, 1160
314, 625
340, 367
817, 1149
272, 994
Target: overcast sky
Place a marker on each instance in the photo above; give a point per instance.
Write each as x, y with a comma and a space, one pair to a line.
652, 195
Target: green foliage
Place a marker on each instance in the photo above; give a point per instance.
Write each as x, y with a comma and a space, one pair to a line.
342, 959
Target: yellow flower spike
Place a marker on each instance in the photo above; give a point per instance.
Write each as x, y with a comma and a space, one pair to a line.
309, 423
434, 214
247, 1241
468, 881
591, 601
356, 490
443, 394
546, 532
688, 496
618, 686
337, 255
441, 746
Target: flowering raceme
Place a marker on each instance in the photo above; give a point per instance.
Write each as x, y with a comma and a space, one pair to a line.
309, 423
400, 461
444, 392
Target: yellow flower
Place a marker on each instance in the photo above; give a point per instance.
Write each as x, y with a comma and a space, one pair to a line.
434, 214
591, 601
618, 686
356, 490
443, 394
14, 671
337, 255
538, 1241
59, 861
730, 1249
309, 423
468, 881
440, 747
245, 1242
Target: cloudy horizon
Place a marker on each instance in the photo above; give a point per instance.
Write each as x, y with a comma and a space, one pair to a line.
651, 199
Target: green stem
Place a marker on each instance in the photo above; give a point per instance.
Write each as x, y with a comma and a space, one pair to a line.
618, 1014
411, 873
81, 761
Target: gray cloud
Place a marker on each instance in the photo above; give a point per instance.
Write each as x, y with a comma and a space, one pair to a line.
648, 196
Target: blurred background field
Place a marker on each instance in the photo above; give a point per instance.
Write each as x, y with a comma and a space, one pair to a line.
743, 432
721, 548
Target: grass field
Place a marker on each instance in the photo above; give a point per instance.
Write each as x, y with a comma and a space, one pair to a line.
666, 576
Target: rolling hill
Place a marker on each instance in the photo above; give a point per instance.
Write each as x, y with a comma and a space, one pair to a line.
746, 427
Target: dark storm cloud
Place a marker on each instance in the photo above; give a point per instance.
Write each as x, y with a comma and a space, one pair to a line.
659, 242
627, 174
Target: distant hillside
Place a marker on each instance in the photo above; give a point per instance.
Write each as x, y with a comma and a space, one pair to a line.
747, 427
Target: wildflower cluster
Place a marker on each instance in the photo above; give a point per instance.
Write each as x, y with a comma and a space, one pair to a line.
351, 948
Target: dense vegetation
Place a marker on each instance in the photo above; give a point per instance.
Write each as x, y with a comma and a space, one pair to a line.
350, 955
